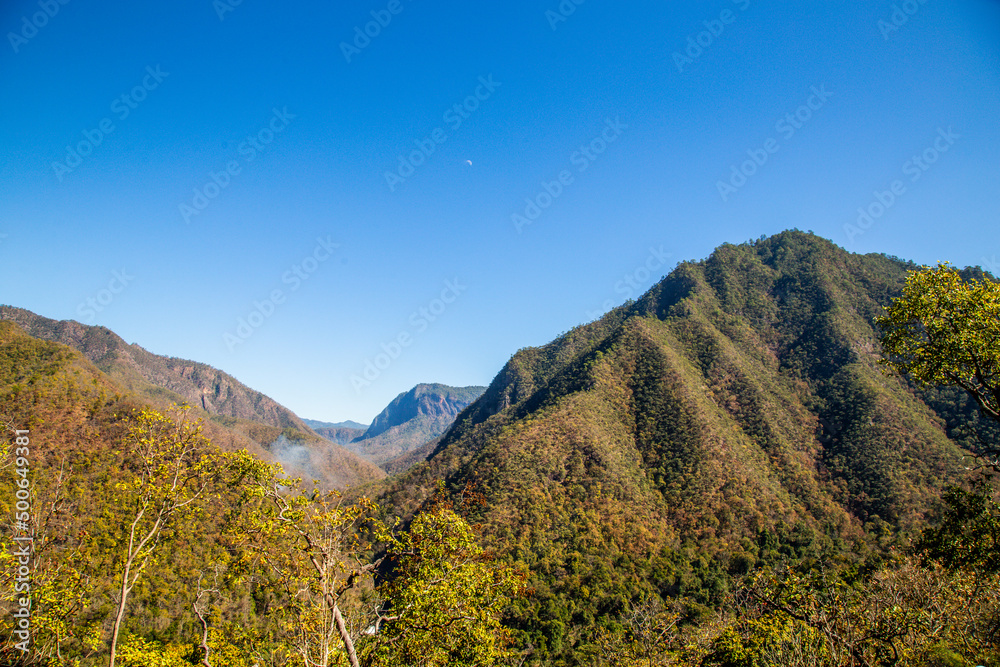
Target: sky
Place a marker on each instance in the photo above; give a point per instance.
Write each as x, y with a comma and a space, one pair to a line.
334, 202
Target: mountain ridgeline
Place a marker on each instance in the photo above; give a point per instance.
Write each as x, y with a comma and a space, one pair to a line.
136, 369
734, 416
402, 433
340, 432
247, 417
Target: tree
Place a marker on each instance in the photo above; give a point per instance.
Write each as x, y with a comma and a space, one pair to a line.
646, 637
444, 603
165, 470
944, 330
969, 533
902, 614
308, 544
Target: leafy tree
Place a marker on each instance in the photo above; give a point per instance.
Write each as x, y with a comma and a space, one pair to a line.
969, 534
903, 614
944, 330
444, 604
165, 471
307, 543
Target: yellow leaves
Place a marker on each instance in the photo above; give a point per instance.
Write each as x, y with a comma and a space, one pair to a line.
446, 599
944, 330
306, 543
93, 637
225, 646
135, 651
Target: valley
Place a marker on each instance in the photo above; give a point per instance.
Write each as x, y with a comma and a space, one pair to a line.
734, 420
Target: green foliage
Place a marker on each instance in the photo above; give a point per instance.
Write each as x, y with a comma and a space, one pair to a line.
945, 330
647, 477
444, 603
902, 614
968, 535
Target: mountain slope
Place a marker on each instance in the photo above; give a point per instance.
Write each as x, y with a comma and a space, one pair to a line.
315, 423
248, 417
410, 421
342, 435
199, 384
733, 416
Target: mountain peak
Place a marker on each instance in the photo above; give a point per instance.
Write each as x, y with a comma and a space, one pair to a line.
733, 415
431, 400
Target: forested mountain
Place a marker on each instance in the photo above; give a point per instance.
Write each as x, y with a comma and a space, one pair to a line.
254, 420
340, 433
136, 368
685, 472
409, 423
734, 416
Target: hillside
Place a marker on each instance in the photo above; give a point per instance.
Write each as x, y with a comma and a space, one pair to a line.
130, 515
240, 415
135, 368
408, 423
340, 433
733, 416
731, 422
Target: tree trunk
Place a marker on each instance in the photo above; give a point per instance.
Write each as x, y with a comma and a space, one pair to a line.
133, 550
352, 655
204, 636
121, 612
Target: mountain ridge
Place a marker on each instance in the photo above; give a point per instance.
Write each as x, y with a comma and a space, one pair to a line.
731, 416
199, 384
407, 424
221, 398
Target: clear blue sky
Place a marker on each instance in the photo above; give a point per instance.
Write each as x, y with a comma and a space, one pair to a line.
116, 115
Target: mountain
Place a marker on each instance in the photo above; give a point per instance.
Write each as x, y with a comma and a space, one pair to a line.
734, 416
411, 458
315, 423
253, 419
433, 401
411, 420
732, 419
136, 368
341, 433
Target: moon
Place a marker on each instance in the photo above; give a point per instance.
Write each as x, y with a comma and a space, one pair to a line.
469, 162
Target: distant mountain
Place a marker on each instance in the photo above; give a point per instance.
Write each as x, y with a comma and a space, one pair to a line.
424, 400
249, 414
411, 420
733, 416
341, 433
315, 423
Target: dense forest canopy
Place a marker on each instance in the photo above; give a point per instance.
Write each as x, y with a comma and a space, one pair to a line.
721, 472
